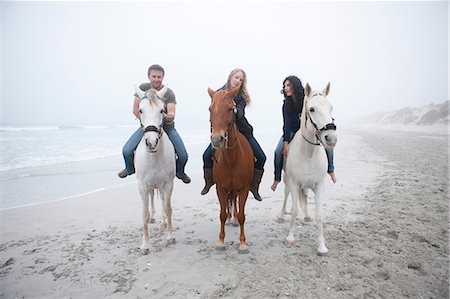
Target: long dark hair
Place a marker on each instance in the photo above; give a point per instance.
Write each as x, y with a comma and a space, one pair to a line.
296, 101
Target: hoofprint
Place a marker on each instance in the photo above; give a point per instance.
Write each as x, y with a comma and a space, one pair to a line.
154, 162
306, 163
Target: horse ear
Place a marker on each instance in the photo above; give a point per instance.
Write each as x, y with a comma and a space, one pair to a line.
307, 90
211, 92
139, 92
235, 91
326, 90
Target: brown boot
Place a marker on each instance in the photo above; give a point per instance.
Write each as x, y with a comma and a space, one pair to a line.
209, 182
257, 176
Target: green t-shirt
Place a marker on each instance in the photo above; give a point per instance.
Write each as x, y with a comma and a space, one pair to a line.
168, 97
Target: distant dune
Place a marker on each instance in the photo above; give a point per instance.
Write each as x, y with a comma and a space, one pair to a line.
432, 114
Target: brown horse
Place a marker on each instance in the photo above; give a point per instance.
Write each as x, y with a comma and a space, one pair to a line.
233, 162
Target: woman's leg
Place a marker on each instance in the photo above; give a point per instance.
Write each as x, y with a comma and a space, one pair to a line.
258, 152
182, 155
259, 167
128, 152
330, 158
278, 160
207, 157
207, 169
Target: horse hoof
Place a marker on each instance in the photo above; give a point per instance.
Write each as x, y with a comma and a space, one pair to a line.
170, 241
152, 220
280, 220
144, 251
307, 219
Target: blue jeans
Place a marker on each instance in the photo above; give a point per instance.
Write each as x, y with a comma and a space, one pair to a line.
278, 158
132, 143
129, 148
180, 150
257, 151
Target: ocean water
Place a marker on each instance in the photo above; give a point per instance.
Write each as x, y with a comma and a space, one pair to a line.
48, 163
23, 147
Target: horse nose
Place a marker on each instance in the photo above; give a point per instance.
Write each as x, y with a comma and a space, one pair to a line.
217, 140
330, 139
151, 145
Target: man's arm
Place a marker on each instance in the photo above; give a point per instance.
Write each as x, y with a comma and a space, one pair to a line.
170, 115
136, 112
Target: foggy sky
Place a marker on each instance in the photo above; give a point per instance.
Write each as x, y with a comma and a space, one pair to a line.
67, 63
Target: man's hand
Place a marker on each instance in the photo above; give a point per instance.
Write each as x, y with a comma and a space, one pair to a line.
168, 117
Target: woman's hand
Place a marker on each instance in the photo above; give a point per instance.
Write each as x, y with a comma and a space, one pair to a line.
286, 149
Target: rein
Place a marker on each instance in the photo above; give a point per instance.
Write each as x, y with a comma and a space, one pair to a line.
230, 127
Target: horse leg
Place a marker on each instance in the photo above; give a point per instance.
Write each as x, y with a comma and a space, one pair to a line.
319, 192
166, 196
163, 223
233, 210
294, 212
223, 199
242, 199
152, 206
229, 209
304, 204
145, 217
280, 218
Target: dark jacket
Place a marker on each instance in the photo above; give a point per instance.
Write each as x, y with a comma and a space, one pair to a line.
291, 119
242, 123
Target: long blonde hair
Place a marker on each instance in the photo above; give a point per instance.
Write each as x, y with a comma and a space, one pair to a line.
243, 89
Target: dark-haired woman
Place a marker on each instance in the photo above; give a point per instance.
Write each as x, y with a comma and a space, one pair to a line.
292, 110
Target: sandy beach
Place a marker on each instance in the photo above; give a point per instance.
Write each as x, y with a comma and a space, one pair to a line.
386, 226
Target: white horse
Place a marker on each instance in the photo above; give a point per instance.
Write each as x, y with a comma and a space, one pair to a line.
154, 161
306, 163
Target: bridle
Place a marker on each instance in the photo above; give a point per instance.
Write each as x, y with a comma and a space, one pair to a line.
152, 128
229, 126
329, 126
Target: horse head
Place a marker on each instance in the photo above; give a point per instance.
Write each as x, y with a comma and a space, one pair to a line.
151, 109
222, 115
317, 110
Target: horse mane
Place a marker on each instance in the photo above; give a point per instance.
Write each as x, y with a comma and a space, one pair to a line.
152, 97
